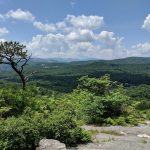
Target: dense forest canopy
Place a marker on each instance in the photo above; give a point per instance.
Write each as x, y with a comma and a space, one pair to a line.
63, 76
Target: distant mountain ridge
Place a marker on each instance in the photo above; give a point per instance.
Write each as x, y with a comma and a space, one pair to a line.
128, 60
131, 60
63, 75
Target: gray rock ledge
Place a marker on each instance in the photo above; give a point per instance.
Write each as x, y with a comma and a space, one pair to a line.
51, 144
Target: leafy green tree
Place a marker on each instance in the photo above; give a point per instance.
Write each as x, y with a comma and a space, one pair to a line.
98, 86
100, 98
15, 55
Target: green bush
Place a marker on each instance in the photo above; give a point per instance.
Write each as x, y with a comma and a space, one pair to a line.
14, 101
98, 109
40, 117
120, 121
98, 86
30, 115
144, 104
131, 119
25, 132
18, 133
99, 99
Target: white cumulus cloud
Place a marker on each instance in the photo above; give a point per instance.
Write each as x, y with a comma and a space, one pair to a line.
3, 31
109, 39
81, 36
44, 27
88, 22
146, 24
71, 23
81, 44
140, 49
20, 14
76, 37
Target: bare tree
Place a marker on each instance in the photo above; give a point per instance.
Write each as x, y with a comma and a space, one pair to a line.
15, 55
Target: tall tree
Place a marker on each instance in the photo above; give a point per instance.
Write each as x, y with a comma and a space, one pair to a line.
15, 55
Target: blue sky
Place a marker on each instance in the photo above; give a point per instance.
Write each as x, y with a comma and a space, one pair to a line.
82, 29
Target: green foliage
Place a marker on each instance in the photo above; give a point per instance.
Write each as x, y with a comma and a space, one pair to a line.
11, 48
26, 116
120, 121
97, 109
131, 119
18, 133
13, 101
102, 101
99, 99
63, 77
139, 92
36, 116
15, 55
25, 132
97, 86
141, 100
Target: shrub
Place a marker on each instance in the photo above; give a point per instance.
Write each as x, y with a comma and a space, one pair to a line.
109, 121
144, 104
25, 132
120, 121
131, 119
99, 99
98, 109
18, 133
14, 101
98, 86
41, 117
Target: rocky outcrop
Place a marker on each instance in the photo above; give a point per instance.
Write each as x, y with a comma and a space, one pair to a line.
51, 144
109, 138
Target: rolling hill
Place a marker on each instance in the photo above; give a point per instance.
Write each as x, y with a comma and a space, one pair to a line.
63, 76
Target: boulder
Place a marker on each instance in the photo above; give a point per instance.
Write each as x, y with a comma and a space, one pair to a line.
51, 144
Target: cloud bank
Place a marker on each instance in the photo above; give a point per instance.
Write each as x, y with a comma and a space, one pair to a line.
81, 37
75, 37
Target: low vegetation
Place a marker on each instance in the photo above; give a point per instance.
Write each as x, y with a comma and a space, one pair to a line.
30, 115
27, 116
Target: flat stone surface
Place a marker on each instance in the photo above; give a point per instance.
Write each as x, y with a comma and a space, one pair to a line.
118, 138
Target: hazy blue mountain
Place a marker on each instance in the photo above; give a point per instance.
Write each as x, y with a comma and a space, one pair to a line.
129, 60
56, 61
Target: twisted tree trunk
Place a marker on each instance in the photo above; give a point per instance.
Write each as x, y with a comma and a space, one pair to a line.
21, 75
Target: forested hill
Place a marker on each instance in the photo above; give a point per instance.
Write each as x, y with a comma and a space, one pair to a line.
132, 60
63, 75
128, 60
